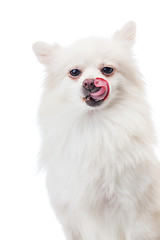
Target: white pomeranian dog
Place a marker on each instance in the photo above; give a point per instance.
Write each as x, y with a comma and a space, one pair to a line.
102, 175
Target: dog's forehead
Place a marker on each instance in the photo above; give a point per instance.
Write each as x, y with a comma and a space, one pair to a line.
90, 50
90, 46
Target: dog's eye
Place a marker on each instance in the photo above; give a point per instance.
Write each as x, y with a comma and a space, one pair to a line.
107, 71
74, 72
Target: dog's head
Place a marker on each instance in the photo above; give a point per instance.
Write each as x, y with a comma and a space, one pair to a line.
91, 72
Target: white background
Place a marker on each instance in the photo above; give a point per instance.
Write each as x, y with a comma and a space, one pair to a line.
25, 213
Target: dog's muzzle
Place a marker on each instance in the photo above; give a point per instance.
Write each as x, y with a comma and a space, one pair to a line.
95, 91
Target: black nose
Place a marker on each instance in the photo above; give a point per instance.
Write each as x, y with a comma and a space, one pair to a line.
89, 87
88, 84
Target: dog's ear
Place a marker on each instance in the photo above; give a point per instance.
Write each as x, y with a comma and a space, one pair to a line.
45, 52
127, 34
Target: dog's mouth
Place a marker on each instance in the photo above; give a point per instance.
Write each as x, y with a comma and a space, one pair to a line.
96, 92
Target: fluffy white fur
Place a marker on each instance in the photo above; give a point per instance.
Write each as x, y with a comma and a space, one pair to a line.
103, 178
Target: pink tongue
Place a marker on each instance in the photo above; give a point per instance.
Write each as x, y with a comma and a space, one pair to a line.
103, 92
